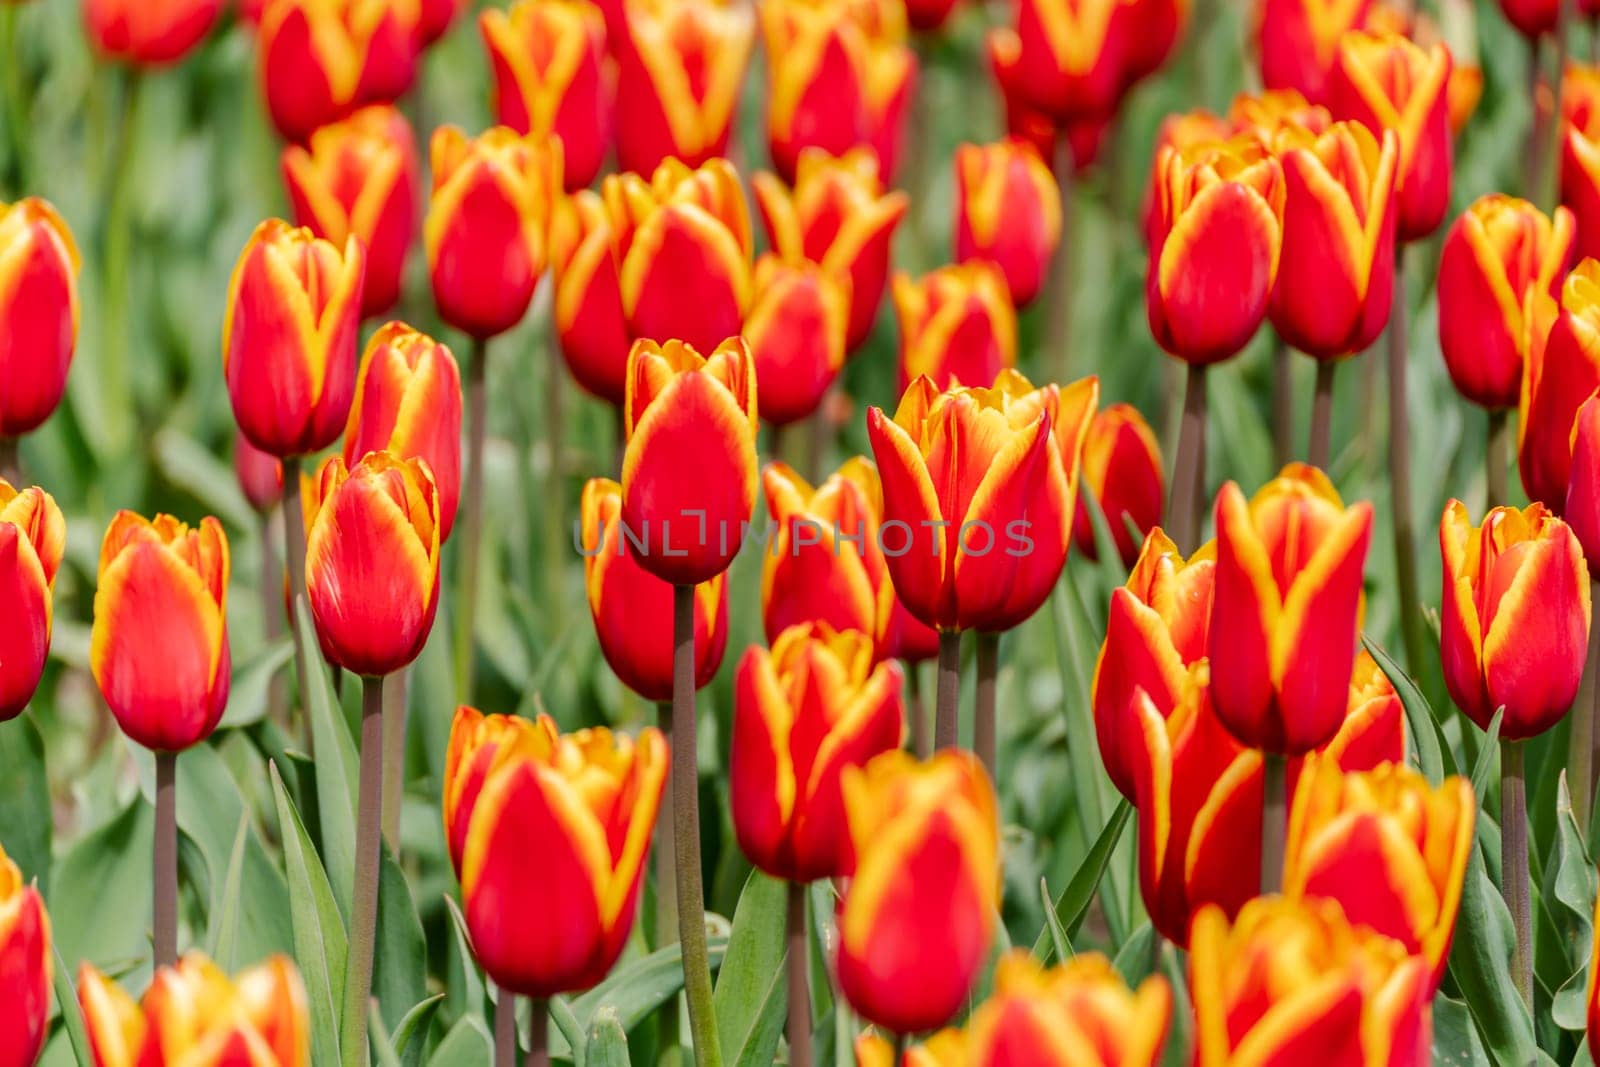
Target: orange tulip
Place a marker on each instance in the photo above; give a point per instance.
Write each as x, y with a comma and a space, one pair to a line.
802, 713
1008, 210
796, 331
839, 217
632, 608
322, 59
1285, 613
38, 312
1122, 471
908, 957
691, 456
1515, 619
680, 66
1298, 41
555, 852
957, 325
159, 646
148, 33
551, 78
25, 978
1583, 488
1500, 259
1291, 980
192, 1013
289, 338
588, 299
260, 475
1562, 369
493, 196
33, 536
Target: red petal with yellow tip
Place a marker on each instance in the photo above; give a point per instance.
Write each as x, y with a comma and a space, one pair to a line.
913, 543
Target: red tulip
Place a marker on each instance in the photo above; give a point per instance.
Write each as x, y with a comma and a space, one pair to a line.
796, 330
32, 538
1008, 209
322, 59
25, 968
148, 33
259, 473
1122, 472
434, 19
589, 325
1583, 488
1562, 368
38, 312
1298, 41
957, 326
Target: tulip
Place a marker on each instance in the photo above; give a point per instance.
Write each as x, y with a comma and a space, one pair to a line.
480, 745
947, 1048
555, 852
1583, 489
321, 59
159, 646
1008, 210
907, 957
260, 475
551, 80
372, 560
1500, 258
1298, 42
38, 313
1562, 369
1284, 618
632, 608
1374, 725
929, 15
1580, 154
680, 64
493, 196
148, 33
690, 458
193, 1013
1294, 979
1270, 113
289, 338
1462, 95
589, 326
1388, 847
408, 403
25, 978
957, 325
434, 18
1534, 18
1122, 471
1386, 82
1515, 619
1071, 57
359, 178
1180, 131
814, 705
839, 217
1154, 28
796, 331
32, 538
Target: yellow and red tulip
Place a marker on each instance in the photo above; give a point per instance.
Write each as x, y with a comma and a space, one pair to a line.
555, 852
260, 475
1583, 488
1008, 210
1153, 30
907, 957
1298, 41
796, 330
148, 33
25, 978
1122, 471
690, 460
1268, 113
632, 608
159, 646
551, 78
33, 536
1534, 18
957, 325
434, 18
408, 403
1179, 132
487, 225
1562, 368
1286, 609
1071, 58
1580, 153
38, 312
1515, 619
289, 337
479, 745
588, 298
946, 1048
817, 703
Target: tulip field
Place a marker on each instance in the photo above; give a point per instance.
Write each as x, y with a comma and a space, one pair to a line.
899, 533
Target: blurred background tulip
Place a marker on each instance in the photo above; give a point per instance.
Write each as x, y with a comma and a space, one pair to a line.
796, 331
33, 537
1298, 41
259, 474
321, 59
1557, 376
1122, 472
1008, 210
148, 33
25, 968
434, 19
957, 326
38, 315
1071, 56
590, 330
1582, 512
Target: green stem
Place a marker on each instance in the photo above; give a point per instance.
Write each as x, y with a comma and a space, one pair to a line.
947, 706
272, 620
364, 906
539, 1033
666, 857
1580, 749
899, 1050
917, 711
1514, 863
1497, 457
1533, 158
16, 95
1274, 821
1405, 537
1185, 507
117, 245
505, 1029
555, 545
983, 723
166, 860
294, 558
1549, 190
1282, 403
799, 978
394, 755
1322, 416
472, 517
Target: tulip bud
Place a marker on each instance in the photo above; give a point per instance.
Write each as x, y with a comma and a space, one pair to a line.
588, 297
1122, 471
555, 852
1180, 132
25, 978
1583, 488
159, 646
795, 329
1270, 113
289, 338
802, 713
550, 77
434, 18
359, 179
493, 196
148, 33
957, 325
1298, 41
632, 608
1534, 18
38, 312
1515, 619
1153, 29
1502, 256
680, 64
1008, 210
372, 560
408, 403
479, 745
908, 957
33, 536
320, 61
1562, 368
1071, 56
260, 475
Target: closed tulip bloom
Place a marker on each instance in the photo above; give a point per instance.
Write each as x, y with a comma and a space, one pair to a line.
838, 216
38, 312
796, 329
1285, 613
587, 309
1180, 131
260, 474
555, 853
159, 646
1500, 258
1270, 113
434, 18
1154, 28
148, 33
1008, 210
1533, 18
1562, 368
322, 59
550, 78
680, 64
1298, 41
1580, 154
1217, 228
632, 608
1515, 620
957, 325
289, 337
1122, 471
1583, 488
814, 705
26, 971
493, 196
32, 539
479, 745
1072, 57
908, 957
690, 460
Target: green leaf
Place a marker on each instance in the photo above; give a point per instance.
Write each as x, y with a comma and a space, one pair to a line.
337, 770
247, 692
1429, 752
67, 1005
1135, 957
410, 1035
1573, 885
191, 466
1480, 963
109, 865
473, 994
25, 800
382, 1043
400, 958
225, 925
750, 990
466, 1045
636, 989
607, 1043
1483, 769
1060, 943
1455, 1040
1074, 902
569, 1028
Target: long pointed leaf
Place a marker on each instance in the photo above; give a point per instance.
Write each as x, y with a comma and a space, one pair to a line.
753, 965
1429, 752
336, 770
1074, 902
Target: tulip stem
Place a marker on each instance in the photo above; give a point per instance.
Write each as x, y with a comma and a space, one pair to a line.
1318, 453
10, 464
166, 859
666, 861
1497, 456
364, 907
1185, 507
1060, 321
1514, 863
1580, 749
472, 520
686, 834
554, 499
917, 710
538, 1033
294, 558
1282, 402
1548, 192
394, 755
799, 978
983, 724
899, 1050
947, 707
272, 620
505, 1029
1405, 537
1533, 159
1274, 820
